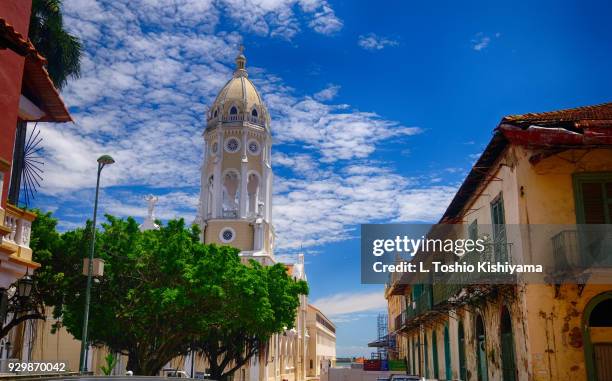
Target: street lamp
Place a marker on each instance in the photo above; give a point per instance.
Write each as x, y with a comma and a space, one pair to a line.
102, 161
24, 286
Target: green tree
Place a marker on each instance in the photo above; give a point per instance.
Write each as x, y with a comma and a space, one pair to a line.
162, 291
262, 301
61, 49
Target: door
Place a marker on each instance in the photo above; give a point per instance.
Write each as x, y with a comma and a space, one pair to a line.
507, 347
481, 350
462, 367
426, 357
509, 366
447, 355
434, 354
598, 337
603, 361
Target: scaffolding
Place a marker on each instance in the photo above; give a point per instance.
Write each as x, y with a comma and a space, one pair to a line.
382, 339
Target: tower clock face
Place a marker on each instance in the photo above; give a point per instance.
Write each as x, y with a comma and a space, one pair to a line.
232, 145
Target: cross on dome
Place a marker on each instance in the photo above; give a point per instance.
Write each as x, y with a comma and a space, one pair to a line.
240, 63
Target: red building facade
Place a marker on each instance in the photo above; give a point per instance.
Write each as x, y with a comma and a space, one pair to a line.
27, 94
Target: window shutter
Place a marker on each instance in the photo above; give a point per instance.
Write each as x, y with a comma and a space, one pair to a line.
593, 203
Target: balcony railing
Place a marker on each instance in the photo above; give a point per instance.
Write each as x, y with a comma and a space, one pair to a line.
20, 228
399, 321
578, 250
423, 302
239, 118
17, 227
449, 285
230, 213
443, 291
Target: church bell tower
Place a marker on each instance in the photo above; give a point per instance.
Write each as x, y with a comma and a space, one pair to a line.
235, 206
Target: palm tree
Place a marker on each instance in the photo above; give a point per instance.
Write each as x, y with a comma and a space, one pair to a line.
61, 49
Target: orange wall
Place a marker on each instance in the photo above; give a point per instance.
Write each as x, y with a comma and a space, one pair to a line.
16, 13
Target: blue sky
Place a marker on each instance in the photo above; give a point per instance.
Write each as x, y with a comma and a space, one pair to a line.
379, 109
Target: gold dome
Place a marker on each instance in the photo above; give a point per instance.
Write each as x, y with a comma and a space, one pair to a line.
238, 100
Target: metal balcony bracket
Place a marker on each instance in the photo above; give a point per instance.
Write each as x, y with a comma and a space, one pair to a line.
581, 288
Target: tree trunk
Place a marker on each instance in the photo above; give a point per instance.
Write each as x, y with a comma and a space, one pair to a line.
133, 364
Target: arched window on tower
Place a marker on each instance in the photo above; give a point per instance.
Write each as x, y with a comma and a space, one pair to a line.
254, 116
209, 200
233, 114
216, 113
253, 192
230, 194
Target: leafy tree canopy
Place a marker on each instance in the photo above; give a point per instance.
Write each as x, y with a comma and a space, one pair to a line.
61, 49
164, 293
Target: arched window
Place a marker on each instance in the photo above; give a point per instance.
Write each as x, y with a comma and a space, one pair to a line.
215, 113
481, 350
507, 347
601, 316
233, 110
209, 203
254, 113
231, 180
253, 191
596, 336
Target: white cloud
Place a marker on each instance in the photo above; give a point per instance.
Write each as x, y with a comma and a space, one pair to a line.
327, 93
350, 303
372, 41
279, 18
325, 20
325, 206
481, 41
334, 131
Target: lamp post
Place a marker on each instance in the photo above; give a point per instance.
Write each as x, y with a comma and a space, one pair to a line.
102, 161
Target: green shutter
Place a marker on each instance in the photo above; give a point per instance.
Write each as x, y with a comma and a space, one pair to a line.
593, 197
473, 230
434, 350
499, 229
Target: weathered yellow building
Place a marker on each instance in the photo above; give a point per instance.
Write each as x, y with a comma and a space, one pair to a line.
544, 172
